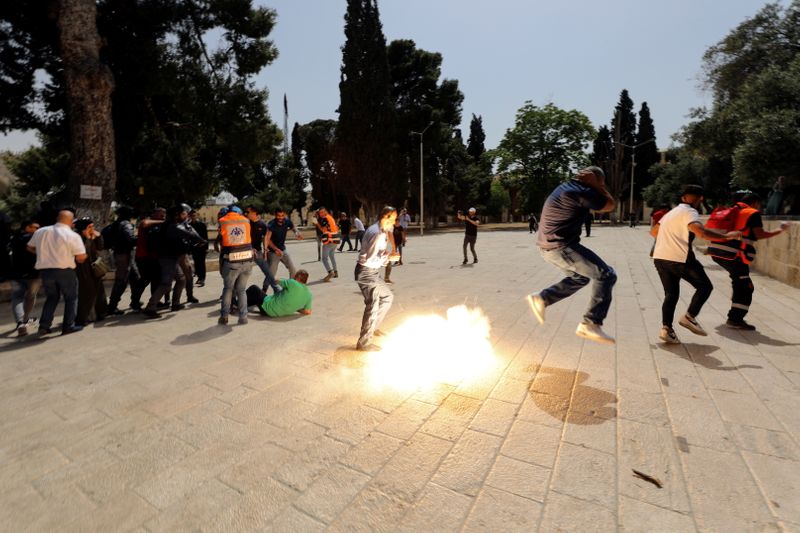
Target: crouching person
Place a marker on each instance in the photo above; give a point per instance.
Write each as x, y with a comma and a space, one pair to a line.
295, 297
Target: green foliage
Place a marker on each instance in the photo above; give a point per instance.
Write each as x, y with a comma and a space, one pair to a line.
647, 154
475, 146
318, 142
499, 199
751, 133
420, 99
366, 151
683, 168
543, 148
188, 119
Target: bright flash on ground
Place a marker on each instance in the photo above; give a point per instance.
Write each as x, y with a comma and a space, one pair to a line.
428, 350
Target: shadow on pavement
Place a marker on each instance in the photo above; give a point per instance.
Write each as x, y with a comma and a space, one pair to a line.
699, 354
205, 335
560, 393
751, 337
349, 357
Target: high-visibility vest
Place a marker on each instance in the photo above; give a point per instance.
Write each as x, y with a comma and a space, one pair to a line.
331, 234
234, 231
743, 248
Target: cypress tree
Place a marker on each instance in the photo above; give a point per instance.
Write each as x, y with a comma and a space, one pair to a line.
647, 154
475, 146
365, 148
623, 132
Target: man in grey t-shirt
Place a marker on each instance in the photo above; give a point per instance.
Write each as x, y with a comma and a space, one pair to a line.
377, 249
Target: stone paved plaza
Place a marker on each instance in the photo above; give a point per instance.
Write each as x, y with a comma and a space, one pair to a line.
181, 424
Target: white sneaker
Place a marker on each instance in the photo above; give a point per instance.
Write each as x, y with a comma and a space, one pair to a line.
593, 332
668, 335
692, 325
537, 306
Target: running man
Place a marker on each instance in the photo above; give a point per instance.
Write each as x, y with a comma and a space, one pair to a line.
558, 238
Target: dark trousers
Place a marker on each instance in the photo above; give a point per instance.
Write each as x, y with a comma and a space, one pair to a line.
255, 296
57, 282
169, 271
671, 274
346, 239
124, 271
581, 265
148, 275
742, 287
359, 236
377, 301
470, 239
199, 259
188, 275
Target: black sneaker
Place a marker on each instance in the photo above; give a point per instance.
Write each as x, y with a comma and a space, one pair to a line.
178, 307
223, 321
740, 324
464, 262
73, 329
192, 300
116, 312
150, 313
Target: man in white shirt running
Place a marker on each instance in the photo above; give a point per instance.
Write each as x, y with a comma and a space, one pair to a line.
58, 248
377, 250
675, 260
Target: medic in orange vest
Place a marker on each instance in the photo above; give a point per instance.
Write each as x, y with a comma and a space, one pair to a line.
735, 257
234, 235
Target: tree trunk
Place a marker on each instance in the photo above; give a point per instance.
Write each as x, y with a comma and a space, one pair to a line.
89, 84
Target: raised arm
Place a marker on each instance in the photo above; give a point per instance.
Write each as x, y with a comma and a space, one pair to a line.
708, 234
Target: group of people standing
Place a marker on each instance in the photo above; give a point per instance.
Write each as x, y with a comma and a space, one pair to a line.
558, 240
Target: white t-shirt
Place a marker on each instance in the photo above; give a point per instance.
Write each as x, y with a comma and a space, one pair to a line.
374, 247
358, 224
56, 246
672, 241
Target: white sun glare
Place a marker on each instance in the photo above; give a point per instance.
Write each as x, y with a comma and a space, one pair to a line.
427, 350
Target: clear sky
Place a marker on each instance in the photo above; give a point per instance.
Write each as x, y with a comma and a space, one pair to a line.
578, 54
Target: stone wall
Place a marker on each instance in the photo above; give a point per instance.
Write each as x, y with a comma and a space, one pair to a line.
779, 257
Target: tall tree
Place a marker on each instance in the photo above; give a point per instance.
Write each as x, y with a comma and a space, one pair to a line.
366, 153
477, 137
623, 132
421, 100
750, 133
187, 119
647, 154
603, 149
543, 148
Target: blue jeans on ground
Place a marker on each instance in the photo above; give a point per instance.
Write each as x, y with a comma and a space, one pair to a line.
581, 265
263, 264
329, 257
23, 297
58, 281
234, 279
377, 301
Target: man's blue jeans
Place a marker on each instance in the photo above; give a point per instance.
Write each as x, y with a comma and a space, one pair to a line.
58, 281
581, 265
234, 279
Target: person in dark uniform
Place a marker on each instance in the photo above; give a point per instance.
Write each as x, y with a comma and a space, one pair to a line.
471, 223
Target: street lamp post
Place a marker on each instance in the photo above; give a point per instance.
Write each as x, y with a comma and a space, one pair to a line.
633, 170
421, 180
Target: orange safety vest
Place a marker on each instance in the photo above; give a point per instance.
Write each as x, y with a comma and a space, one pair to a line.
332, 235
234, 231
743, 249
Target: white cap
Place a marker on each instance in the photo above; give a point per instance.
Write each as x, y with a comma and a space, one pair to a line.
471, 209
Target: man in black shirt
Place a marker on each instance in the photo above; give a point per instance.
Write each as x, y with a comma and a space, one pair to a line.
199, 252
471, 223
122, 241
258, 230
344, 229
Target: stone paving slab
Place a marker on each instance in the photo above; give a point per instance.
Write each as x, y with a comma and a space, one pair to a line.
181, 424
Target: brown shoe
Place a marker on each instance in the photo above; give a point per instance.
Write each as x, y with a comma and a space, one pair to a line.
328, 277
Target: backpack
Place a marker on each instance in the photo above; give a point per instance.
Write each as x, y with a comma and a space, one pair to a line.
109, 235
724, 219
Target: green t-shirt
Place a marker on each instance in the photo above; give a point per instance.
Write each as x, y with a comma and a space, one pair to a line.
294, 297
